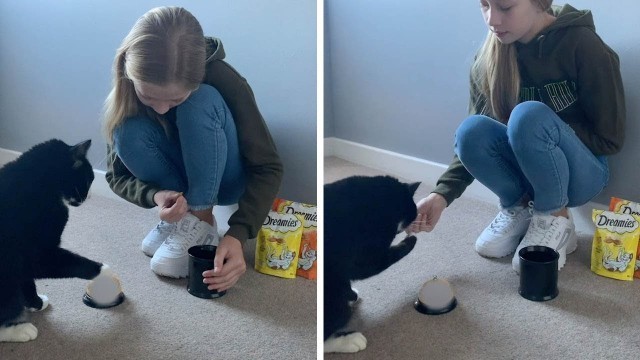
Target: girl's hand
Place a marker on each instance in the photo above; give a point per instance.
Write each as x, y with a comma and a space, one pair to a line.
429, 210
228, 265
173, 206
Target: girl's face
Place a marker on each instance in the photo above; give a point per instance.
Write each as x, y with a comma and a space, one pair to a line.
160, 98
513, 20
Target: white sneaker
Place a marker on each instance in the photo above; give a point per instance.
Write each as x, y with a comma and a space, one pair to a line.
171, 259
556, 232
502, 236
156, 237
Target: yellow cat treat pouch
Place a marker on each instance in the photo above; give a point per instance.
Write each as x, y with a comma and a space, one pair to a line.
627, 207
309, 244
615, 244
278, 245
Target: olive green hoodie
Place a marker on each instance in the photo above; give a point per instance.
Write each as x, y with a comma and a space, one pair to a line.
570, 69
261, 162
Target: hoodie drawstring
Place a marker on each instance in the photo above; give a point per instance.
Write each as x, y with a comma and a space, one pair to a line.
540, 41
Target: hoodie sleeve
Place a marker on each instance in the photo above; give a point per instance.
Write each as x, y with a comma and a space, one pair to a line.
602, 96
127, 186
453, 182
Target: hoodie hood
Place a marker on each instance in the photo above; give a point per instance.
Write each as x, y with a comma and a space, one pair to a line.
214, 49
568, 16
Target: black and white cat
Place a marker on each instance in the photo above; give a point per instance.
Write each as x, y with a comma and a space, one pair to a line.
362, 216
34, 191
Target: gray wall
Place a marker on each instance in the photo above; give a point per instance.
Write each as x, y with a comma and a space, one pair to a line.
55, 70
328, 86
399, 75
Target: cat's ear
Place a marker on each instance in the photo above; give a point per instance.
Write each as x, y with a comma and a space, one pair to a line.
413, 187
79, 152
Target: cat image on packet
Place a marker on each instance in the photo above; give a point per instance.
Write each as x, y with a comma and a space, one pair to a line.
627, 207
307, 267
278, 245
615, 244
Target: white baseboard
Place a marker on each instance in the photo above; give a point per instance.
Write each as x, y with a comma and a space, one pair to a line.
7, 155
416, 169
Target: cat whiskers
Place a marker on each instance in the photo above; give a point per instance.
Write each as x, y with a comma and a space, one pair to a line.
103, 160
79, 198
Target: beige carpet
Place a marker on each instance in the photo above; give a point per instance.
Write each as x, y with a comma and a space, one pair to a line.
262, 317
592, 318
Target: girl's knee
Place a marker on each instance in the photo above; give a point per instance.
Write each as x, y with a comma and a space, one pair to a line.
137, 133
530, 107
205, 96
204, 105
475, 125
475, 130
527, 116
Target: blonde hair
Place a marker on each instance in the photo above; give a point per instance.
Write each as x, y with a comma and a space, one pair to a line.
496, 76
165, 46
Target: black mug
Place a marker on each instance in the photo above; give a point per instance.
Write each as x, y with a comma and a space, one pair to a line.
200, 260
538, 273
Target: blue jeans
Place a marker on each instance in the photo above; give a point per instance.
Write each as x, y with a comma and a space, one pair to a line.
202, 161
535, 154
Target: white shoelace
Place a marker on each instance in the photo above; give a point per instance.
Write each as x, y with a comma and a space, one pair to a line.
550, 234
506, 218
165, 227
181, 243
538, 233
504, 221
181, 240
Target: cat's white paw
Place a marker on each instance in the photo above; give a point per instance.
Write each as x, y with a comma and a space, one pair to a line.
106, 271
18, 333
105, 288
45, 303
349, 343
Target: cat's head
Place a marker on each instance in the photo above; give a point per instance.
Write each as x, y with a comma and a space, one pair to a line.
78, 176
389, 202
407, 206
376, 204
